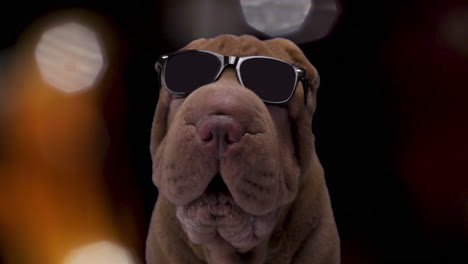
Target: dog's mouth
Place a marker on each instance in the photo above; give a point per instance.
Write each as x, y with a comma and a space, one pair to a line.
214, 208
217, 185
215, 217
215, 204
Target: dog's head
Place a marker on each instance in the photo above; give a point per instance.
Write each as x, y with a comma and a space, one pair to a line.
228, 161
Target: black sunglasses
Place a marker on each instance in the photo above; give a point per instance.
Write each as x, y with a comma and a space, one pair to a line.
273, 80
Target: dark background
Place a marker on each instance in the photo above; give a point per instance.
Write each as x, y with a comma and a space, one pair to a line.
391, 123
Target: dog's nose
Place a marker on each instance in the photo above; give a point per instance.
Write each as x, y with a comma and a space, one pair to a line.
220, 131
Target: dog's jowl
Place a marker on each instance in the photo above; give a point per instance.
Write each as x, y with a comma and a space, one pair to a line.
234, 157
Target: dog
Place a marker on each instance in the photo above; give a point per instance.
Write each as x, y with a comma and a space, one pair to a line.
238, 175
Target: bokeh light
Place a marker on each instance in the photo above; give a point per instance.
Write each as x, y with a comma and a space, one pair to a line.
453, 29
276, 17
70, 57
55, 147
103, 252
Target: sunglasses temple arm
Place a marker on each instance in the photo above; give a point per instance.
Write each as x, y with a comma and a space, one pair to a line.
305, 85
158, 68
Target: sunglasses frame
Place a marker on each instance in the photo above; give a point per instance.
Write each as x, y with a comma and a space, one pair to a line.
300, 73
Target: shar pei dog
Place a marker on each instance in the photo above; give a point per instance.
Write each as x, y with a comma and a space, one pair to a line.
234, 159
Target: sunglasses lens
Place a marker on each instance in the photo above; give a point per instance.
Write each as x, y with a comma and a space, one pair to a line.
184, 72
272, 80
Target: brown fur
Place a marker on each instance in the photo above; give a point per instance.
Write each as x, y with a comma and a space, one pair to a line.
279, 209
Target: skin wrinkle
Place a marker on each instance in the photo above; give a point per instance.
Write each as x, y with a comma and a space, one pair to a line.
205, 224
248, 194
262, 171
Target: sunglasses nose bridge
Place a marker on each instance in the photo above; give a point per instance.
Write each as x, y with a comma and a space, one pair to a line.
229, 62
229, 74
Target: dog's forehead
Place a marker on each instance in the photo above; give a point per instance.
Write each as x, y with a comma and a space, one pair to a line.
241, 46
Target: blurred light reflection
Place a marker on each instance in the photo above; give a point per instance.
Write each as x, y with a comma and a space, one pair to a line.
55, 196
454, 29
103, 252
276, 17
69, 57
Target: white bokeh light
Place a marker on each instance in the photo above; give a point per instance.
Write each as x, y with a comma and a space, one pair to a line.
103, 252
70, 57
276, 17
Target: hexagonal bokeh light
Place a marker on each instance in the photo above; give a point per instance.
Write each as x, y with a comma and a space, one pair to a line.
276, 17
103, 252
70, 57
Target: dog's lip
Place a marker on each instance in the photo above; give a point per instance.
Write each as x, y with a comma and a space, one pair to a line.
216, 201
216, 193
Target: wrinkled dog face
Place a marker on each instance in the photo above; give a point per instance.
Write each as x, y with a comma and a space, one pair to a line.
228, 161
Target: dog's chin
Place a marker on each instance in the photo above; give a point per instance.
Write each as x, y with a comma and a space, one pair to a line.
214, 218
